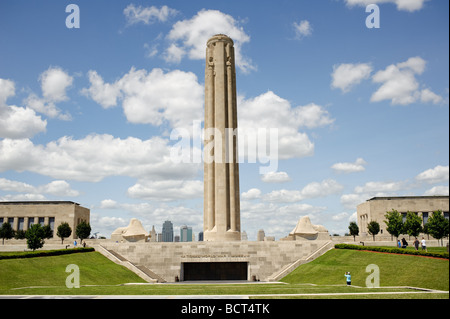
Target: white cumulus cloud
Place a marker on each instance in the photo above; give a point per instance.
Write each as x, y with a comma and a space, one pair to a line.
94, 157
256, 113
399, 83
151, 97
434, 175
58, 188
403, 5
251, 194
302, 29
17, 122
54, 84
312, 190
166, 190
345, 76
380, 187
147, 15
188, 37
437, 190
275, 177
357, 166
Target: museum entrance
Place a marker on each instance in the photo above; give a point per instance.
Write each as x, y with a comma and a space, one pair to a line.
214, 271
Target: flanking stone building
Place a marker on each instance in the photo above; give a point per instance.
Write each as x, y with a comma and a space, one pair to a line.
21, 215
375, 208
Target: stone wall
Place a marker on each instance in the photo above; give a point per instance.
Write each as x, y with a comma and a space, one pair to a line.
264, 259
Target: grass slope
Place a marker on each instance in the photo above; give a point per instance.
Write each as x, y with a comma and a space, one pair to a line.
95, 269
326, 272
395, 270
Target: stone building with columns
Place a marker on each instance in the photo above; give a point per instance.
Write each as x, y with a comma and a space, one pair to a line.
21, 215
375, 208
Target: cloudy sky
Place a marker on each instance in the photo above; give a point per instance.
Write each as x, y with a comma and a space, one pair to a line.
87, 112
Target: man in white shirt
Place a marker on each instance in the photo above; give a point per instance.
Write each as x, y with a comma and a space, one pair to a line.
424, 244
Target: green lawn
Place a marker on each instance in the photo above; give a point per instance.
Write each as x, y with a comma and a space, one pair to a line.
395, 270
95, 269
99, 276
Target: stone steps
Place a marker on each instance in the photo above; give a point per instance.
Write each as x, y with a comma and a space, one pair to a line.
140, 270
150, 273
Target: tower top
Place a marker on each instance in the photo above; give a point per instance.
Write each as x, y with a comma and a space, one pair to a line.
220, 38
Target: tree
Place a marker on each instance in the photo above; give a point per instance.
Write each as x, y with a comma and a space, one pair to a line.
373, 228
426, 230
6, 232
19, 234
413, 224
394, 223
48, 232
354, 229
35, 237
438, 225
83, 230
64, 231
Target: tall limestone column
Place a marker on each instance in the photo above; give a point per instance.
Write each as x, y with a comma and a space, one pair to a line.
222, 220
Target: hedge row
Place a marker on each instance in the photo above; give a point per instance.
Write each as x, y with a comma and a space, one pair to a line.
45, 253
393, 250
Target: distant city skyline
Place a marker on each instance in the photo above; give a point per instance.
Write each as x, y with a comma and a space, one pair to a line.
187, 232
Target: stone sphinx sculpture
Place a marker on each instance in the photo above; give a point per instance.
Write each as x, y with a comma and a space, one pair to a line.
305, 230
134, 232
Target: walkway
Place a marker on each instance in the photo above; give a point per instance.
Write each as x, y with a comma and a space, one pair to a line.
414, 290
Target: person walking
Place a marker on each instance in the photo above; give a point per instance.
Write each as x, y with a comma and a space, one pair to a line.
416, 244
349, 278
424, 244
404, 243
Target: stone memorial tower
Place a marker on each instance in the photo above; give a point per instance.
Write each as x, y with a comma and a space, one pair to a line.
221, 221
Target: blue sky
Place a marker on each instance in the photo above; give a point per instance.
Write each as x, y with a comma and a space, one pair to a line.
86, 113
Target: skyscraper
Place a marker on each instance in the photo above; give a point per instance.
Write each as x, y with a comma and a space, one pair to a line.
185, 234
222, 220
167, 231
260, 236
153, 236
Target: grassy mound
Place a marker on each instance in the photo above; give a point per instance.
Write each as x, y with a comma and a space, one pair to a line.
100, 276
95, 269
395, 270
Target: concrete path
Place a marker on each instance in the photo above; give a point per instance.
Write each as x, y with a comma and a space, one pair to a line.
414, 290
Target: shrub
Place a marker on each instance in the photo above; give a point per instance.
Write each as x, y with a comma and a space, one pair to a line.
46, 253
393, 250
